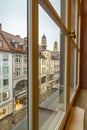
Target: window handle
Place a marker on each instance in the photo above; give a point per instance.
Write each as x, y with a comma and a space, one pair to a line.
72, 34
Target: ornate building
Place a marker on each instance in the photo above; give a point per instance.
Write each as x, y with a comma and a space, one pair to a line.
48, 66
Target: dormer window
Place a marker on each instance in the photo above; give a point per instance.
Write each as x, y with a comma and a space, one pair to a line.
1, 44
16, 45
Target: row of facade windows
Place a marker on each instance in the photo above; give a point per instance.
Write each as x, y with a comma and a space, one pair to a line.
18, 58
44, 62
5, 70
18, 71
44, 70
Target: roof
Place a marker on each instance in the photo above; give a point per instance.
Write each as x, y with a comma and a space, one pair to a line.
13, 40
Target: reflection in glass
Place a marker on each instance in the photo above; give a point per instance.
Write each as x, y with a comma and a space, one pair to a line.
72, 70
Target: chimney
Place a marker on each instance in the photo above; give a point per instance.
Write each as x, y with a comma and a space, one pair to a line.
0, 28
18, 36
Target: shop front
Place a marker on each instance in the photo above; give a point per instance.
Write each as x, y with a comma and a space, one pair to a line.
6, 109
20, 95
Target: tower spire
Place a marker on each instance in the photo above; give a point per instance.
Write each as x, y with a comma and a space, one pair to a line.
43, 42
55, 48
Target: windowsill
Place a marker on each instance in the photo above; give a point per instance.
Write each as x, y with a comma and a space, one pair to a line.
49, 119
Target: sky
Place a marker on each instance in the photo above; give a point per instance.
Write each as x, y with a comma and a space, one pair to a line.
48, 27
13, 16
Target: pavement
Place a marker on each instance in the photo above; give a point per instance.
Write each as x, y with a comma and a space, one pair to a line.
22, 125
14, 121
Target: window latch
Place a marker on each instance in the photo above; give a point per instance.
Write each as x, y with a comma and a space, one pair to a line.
72, 34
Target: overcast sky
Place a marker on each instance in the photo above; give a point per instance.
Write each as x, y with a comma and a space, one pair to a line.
48, 27
13, 16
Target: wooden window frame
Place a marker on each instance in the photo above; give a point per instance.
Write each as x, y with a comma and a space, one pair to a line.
33, 96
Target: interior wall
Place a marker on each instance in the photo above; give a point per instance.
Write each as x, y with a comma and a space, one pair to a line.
83, 60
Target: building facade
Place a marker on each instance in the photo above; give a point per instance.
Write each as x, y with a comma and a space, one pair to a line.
13, 73
6, 89
49, 66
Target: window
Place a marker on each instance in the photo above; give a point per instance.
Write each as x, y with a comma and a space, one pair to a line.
16, 45
25, 59
18, 71
13, 66
53, 25
5, 70
60, 7
43, 61
5, 57
25, 71
1, 44
17, 59
6, 95
5, 82
43, 70
52, 87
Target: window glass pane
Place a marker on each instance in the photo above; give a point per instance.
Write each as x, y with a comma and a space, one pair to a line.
25, 59
77, 69
5, 57
5, 82
5, 70
61, 8
6, 95
18, 58
13, 48
72, 69
51, 72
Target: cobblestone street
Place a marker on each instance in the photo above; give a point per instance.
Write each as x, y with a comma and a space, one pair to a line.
11, 121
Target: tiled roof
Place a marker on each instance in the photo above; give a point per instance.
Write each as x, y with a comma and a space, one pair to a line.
9, 38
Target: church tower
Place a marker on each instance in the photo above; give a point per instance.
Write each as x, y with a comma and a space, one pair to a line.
43, 43
55, 48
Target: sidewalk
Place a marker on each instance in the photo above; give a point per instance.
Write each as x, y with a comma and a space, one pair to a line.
11, 121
